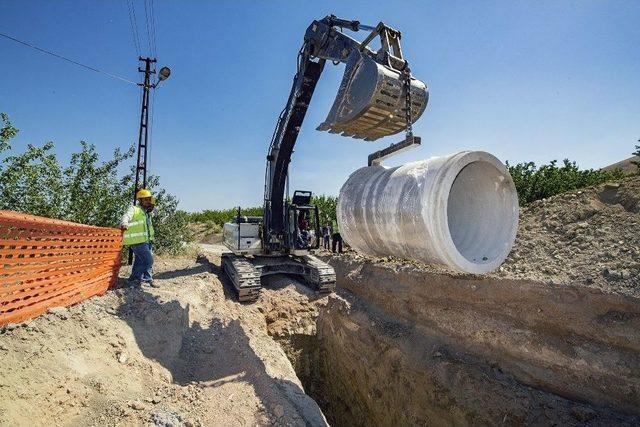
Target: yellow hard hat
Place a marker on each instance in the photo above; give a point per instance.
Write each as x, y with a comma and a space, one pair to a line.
143, 194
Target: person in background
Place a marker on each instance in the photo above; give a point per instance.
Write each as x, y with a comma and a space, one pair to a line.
326, 236
336, 238
303, 230
138, 235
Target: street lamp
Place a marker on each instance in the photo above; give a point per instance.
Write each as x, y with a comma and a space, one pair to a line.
163, 74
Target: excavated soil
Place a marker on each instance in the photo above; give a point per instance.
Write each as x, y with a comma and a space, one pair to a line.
587, 238
184, 354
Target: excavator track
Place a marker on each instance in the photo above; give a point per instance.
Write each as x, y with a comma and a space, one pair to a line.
244, 276
322, 277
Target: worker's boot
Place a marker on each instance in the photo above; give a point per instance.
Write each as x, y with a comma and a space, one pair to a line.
132, 283
152, 284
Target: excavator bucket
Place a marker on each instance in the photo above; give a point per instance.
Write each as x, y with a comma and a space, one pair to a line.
370, 102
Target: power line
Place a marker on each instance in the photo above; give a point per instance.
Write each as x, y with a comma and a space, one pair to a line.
153, 23
152, 108
148, 25
134, 26
67, 59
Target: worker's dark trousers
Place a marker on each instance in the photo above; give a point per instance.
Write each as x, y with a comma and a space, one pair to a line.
336, 240
325, 241
142, 263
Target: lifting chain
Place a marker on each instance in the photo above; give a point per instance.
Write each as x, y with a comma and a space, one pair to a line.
406, 74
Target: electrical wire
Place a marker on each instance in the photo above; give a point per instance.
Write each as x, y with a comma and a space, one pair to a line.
153, 28
67, 59
134, 26
148, 26
152, 107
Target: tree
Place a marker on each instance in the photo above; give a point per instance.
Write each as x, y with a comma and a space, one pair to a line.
7, 131
88, 190
538, 182
637, 162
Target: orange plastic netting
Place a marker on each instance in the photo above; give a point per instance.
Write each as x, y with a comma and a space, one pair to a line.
47, 263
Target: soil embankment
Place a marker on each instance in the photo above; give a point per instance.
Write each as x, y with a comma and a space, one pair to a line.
404, 346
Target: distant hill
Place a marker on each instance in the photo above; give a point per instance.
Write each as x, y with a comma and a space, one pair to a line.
625, 165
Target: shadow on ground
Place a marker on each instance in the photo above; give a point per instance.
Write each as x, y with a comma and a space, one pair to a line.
210, 353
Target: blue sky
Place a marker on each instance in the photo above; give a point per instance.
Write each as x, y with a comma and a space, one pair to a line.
524, 80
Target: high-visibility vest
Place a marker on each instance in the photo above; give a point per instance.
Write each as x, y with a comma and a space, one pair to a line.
137, 230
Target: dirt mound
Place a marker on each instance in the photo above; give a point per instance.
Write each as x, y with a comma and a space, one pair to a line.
183, 354
589, 237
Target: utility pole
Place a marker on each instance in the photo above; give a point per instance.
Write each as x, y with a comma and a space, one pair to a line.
143, 136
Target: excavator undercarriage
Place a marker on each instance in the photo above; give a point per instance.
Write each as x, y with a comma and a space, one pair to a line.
245, 272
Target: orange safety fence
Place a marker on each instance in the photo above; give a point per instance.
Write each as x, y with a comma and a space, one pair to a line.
50, 263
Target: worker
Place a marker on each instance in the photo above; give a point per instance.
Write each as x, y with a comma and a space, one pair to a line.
336, 238
303, 230
326, 236
138, 235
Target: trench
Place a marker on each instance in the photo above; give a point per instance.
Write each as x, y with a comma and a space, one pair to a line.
303, 351
405, 347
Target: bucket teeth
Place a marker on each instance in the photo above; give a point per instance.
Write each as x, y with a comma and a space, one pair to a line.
370, 101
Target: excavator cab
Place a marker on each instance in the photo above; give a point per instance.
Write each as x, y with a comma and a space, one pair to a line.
303, 224
371, 100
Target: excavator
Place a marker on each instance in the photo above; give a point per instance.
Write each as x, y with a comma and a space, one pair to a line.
377, 97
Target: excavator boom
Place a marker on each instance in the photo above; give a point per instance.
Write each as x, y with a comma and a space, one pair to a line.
370, 104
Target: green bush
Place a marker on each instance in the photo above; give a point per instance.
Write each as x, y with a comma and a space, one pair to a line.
538, 182
87, 191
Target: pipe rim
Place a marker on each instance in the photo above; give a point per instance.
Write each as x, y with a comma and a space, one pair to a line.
456, 165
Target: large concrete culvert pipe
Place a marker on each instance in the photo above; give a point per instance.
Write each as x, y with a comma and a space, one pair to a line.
460, 211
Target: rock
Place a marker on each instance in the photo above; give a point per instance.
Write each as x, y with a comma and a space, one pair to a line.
278, 411
164, 418
122, 357
612, 274
583, 414
137, 405
61, 312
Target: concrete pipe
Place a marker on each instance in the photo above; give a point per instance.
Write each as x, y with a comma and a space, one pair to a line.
460, 211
